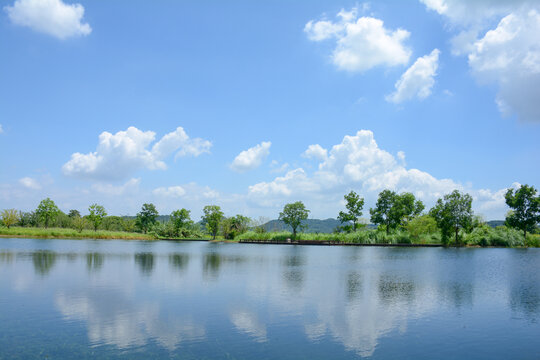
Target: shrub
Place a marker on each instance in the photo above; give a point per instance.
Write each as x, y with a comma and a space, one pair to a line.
500, 236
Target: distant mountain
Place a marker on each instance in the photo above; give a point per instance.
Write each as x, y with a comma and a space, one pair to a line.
495, 223
313, 225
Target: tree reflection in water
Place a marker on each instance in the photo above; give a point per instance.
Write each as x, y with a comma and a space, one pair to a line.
94, 261
145, 262
179, 261
211, 265
394, 289
354, 285
44, 261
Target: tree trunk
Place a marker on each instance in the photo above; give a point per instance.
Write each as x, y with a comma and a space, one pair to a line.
294, 233
525, 237
457, 232
387, 227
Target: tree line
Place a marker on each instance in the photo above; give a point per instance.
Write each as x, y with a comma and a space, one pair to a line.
452, 215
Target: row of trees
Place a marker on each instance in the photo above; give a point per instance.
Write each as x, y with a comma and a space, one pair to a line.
450, 215
179, 224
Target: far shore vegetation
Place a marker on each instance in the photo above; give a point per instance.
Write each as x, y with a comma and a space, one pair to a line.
397, 218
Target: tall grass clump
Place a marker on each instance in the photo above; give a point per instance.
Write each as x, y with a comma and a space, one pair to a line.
500, 236
65, 233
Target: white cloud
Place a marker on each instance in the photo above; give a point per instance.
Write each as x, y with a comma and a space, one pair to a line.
401, 157
30, 183
477, 12
52, 17
361, 42
120, 155
249, 323
358, 163
130, 186
171, 191
251, 158
1, 129
418, 80
315, 151
276, 168
509, 56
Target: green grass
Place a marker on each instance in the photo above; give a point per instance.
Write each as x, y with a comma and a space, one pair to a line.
60, 233
479, 237
360, 237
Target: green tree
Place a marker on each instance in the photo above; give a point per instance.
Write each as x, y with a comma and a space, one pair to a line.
79, 223
146, 217
9, 217
234, 226
406, 208
354, 207
181, 219
28, 219
382, 214
212, 218
525, 205
393, 210
63, 221
293, 214
47, 211
453, 213
97, 213
74, 214
129, 225
114, 223
420, 225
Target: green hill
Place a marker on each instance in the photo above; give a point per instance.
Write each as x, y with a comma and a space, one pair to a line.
313, 226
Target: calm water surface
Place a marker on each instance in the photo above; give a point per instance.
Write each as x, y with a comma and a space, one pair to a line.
197, 300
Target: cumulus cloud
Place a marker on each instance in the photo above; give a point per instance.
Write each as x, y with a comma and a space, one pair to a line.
251, 158
130, 186
119, 155
30, 183
471, 13
276, 168
358, 163
315, 151
362, 43
52, 17
507, 55
171, 191
418, 80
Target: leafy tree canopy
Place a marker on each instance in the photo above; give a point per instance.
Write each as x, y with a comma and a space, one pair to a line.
9, 217
393, 210
146, 217
452, 213
74, 213
293, 214
354, 205
212, 218
47, 211
525, 205
97, 213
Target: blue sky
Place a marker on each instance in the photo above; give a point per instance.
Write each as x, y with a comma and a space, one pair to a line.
250, 105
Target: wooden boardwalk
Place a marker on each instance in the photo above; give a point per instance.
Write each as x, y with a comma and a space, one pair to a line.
331, 243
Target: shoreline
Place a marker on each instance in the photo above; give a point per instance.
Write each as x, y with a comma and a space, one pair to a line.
259, 242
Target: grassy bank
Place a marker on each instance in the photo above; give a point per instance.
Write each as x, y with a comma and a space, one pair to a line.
60, 233
483, 237
360, 237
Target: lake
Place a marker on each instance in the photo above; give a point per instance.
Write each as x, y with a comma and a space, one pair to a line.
198, 300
